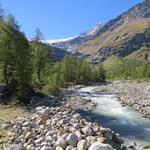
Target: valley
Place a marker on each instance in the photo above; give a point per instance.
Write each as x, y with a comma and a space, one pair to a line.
90, 91
127, 33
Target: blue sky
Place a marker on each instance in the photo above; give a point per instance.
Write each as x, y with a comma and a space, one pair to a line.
63, 18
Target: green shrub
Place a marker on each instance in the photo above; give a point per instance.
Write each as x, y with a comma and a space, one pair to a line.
52, 89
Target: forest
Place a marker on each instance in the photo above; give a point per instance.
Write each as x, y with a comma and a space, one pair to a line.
27, 66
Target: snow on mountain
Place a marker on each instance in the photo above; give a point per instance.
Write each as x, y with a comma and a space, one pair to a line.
57, 40
69, 43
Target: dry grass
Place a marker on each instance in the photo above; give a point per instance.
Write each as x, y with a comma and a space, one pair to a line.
139, 54
9, 112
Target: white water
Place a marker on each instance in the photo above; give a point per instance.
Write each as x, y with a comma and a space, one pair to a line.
110, 113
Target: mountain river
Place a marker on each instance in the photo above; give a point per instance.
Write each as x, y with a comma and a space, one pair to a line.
111, 114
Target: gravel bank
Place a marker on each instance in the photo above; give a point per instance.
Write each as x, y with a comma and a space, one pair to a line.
58, 128
134, 94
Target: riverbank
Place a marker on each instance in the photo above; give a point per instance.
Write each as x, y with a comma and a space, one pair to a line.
58, 125
130, 93
59, 128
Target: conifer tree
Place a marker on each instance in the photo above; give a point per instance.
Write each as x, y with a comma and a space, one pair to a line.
41, 56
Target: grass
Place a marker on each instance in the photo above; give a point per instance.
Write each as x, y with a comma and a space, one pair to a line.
9, 112
111, 61
139, 54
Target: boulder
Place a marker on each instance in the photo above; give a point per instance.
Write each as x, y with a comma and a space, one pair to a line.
49, 139
58, 148
100, 146
72, 139
79, 135
47, 148
91, 139
77, 126
7, 125
82, 145
48, 122
69, 147
39, 140
51, 132
108, 134
30, 124
144, 146
41, 121
28, 135
43, 112
77, 116
61, 142
88, 131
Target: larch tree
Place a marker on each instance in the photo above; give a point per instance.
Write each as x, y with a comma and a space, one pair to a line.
41, 56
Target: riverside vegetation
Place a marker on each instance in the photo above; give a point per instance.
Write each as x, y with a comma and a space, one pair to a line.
125, 68
24, 65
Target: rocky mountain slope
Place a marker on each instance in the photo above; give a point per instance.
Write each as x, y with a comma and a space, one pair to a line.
70, 43
123, 35
127, 33
57, 54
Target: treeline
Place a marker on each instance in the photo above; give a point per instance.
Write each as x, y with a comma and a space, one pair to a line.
73, 70
129, 69
23, 64
26, 66
15, 57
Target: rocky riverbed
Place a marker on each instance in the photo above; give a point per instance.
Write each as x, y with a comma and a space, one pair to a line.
55, 124
59, 128
134, 94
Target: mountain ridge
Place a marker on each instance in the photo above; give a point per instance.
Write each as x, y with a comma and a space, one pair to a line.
120, 36
70, 42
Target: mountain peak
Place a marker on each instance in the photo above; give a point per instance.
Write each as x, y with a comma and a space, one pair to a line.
92, 31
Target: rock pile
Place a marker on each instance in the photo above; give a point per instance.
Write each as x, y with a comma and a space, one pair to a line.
58, 128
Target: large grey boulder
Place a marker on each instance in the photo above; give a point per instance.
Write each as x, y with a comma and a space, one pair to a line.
100, 146
72, 139
79, 135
